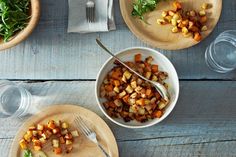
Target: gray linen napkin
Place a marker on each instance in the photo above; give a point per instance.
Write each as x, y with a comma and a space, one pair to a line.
104, 16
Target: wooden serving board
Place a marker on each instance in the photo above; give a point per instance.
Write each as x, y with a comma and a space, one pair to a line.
160, 36
82, 147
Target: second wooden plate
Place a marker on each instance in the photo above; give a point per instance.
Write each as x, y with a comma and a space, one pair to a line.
161, 36
82, 146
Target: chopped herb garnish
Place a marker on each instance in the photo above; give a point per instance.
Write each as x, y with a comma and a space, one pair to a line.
140, 7
28, 153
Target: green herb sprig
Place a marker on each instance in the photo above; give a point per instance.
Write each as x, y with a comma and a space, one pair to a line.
14, 15
28, 153
140, 7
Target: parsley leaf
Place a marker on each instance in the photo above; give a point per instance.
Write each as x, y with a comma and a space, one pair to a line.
28, 153
141, 7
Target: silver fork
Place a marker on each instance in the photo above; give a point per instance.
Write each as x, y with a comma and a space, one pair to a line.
90, 11
90, 134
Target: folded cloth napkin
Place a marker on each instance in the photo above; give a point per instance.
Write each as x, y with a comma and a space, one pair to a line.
104, 16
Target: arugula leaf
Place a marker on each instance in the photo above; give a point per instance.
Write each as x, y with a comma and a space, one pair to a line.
28, 153
141, 7
14, 16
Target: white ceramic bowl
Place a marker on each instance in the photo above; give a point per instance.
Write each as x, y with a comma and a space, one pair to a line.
164, 65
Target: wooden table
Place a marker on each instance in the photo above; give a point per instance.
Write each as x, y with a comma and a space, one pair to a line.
58, 67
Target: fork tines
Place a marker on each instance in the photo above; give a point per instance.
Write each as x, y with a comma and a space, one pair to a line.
90, 11
82, 126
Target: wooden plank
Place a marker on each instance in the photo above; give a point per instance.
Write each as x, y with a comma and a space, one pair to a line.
205, 111
161, 148
51, 53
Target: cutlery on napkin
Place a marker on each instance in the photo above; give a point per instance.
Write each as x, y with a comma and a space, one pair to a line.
104, 17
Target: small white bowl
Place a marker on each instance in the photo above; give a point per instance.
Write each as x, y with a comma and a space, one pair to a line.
164, 65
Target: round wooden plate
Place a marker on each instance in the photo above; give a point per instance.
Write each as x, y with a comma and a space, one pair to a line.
161, 36
82, 146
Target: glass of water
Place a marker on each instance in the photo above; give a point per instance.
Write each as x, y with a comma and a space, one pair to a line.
14, 100
220, 55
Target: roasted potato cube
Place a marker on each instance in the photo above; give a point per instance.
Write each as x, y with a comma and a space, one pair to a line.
42, 140
116, 83
56, 130
148, 74
127, 74
68, 142
176, 16
171, 12
168, 18
147, 102
133, 84
124, 79
118, 102
140, 102
35, 133
51, 124
177, 5
184, 30
174, 22
132, 101
175, 29
58, 123
57, 151
161, 21
161, 105
37, 148
154, 78
23, 144
204, 6
138, 89
68, 136
148, 92
27, 137
116, 89
164, 14
141, 111
133, 95
197, 36
129, 89
32, 128
75, 133
202, 13
55, 143
204, 28
65, 125
40, 127
122, 94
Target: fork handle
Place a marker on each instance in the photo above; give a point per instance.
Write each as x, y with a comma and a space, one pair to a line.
103, 150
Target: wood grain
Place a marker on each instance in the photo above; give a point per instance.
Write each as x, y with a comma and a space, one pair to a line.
202, 123
51, 53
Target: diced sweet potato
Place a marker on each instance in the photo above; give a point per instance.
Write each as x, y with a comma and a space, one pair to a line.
57, 150
138, 58
158, 114
154, 68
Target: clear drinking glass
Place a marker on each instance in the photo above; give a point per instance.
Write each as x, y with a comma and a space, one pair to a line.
220, 55
14, 100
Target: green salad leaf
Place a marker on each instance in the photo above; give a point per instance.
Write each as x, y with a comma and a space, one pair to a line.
14, 15
28, 153
141, 7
